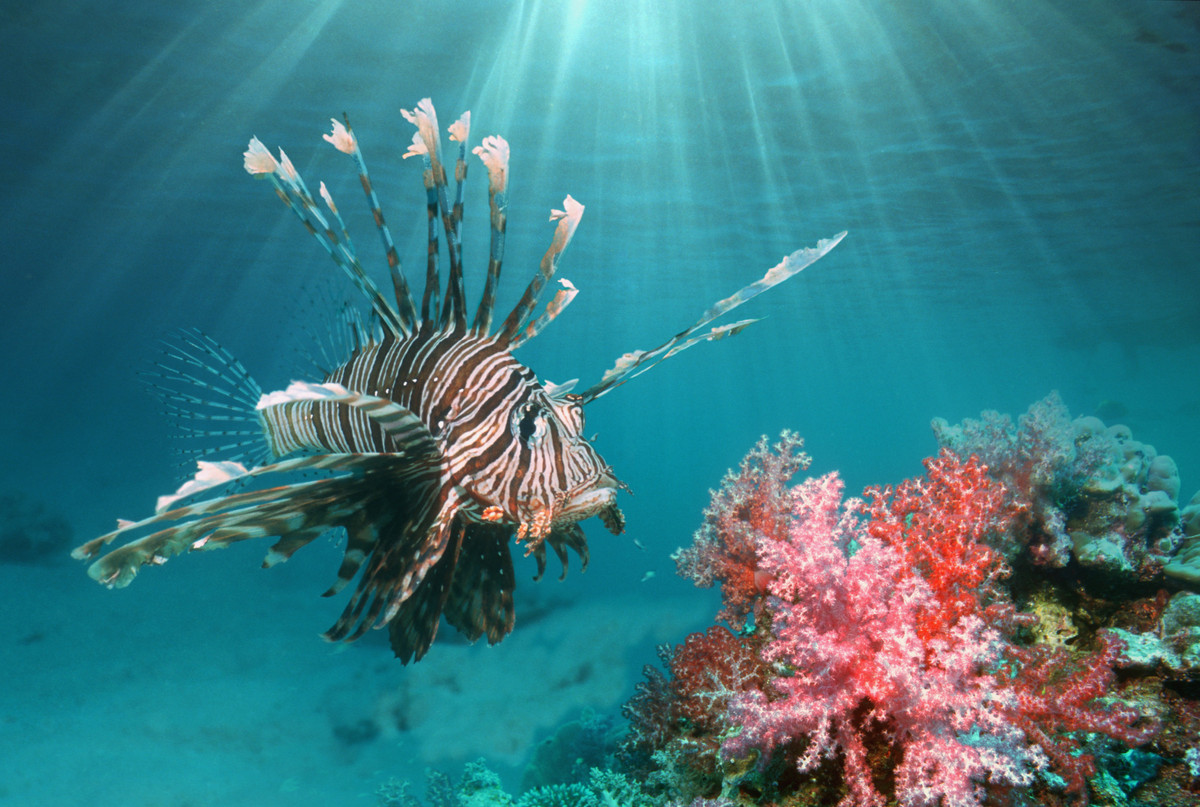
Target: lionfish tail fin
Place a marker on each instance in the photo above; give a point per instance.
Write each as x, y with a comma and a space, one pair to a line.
634, 364
210, 396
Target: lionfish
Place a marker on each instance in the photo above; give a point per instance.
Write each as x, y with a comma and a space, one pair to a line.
430, 445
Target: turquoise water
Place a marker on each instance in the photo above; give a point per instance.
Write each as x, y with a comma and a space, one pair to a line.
1019, 182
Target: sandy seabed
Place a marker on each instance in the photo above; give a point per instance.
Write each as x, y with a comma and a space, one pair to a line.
204, 683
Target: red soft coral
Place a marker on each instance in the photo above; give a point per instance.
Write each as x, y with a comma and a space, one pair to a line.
943, 525
847, 628
889, 620
1055, 696
678, 722
707, 670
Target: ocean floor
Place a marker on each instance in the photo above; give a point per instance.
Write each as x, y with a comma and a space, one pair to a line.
205, 683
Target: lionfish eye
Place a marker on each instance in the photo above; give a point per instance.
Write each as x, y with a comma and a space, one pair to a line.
529, 424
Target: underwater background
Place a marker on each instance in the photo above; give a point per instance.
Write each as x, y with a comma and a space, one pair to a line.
1021, 186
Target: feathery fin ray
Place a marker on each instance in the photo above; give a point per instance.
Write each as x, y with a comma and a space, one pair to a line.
344, 140
638, 362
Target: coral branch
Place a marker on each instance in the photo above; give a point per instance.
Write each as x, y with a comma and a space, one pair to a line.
889, 644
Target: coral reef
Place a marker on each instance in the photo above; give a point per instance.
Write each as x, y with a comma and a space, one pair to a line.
677, 722
576, 748
1185, 566
1105, 550
481, 787
1092, 492
1172, 645
893, 662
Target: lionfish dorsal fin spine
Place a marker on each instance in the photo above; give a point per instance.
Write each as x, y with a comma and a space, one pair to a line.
292, 190
635, 363
427, 144
493, 151
344, 140
431, 299
519, 319
562, 298
454, 310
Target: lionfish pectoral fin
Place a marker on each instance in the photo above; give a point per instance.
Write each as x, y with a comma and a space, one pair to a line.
209, 395
288, 417
639, 361
297, 512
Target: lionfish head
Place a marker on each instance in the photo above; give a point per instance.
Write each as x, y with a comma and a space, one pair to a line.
565, 480
552, 476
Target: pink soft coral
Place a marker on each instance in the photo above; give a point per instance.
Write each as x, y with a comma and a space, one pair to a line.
752, 502
892, 635
848, 627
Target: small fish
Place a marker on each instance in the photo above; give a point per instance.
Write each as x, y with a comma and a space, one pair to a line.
430, 444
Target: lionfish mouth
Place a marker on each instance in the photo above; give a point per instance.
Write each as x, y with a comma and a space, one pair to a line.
598, 499
589, 503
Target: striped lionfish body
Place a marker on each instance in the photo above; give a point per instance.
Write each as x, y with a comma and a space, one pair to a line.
432, 446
